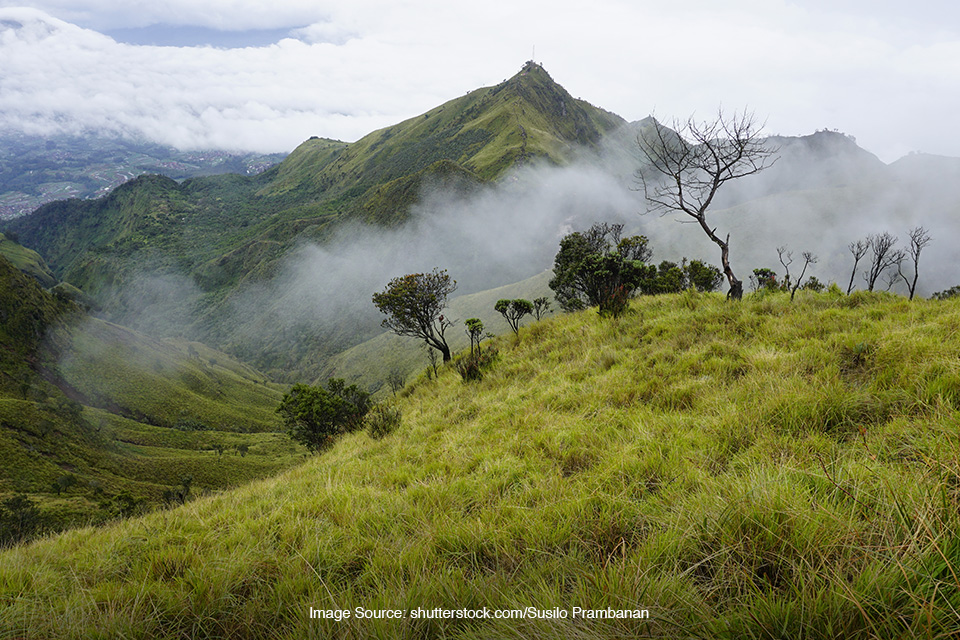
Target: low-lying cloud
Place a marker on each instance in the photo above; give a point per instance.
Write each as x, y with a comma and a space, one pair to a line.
510, 231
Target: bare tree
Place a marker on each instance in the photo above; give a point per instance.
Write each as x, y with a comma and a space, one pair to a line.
858, 249
808, 259
919, 238
786, 259
883, 256
692, 161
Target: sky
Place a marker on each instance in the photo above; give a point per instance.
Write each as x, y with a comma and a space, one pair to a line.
250, 75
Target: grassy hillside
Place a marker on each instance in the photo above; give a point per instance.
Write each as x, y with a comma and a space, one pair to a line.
27, 261
216, 236
753, 470
370, 363
98, 421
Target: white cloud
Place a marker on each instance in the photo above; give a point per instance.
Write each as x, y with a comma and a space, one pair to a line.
351, 67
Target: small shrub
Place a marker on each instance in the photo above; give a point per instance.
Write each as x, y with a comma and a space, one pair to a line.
541, 307
20, 520
952, 292
616, 303
315, 416
396, 379
382, 421
471, 366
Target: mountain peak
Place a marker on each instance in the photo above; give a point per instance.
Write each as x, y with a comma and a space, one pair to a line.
532, 67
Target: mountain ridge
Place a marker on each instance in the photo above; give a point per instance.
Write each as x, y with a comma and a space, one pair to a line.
211, 240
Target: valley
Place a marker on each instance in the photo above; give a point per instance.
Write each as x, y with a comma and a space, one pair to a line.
780, 466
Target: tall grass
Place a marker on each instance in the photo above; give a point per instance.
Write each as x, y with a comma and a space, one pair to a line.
754, 470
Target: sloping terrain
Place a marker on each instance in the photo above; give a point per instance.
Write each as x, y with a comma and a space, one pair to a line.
762, 469
218, 236
97, 420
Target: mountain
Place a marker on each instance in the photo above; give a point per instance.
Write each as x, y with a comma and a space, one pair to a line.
277, 269
218, 236
526, 118
97, 420
752, 470
28, 261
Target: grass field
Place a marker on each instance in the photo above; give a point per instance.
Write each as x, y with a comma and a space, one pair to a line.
752, 470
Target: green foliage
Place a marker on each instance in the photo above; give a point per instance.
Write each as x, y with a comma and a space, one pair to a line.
668, 277
952, 292
764, 279
20, 520
541, 307
315, 416
414, 307
382, 420
598, 268
813, 284
475, 332
513, 311
702, 276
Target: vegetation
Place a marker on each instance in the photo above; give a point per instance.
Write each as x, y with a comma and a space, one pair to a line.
99, 422
475, 333
315, 416
689, 164
414, 307
218, 235
27, 261
599, 268
513, 311
541, 307
670, 277
757, 470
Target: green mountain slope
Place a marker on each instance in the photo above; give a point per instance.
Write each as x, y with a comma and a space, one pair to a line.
97, 420
486, 132
764, 469
28, 261
214, 236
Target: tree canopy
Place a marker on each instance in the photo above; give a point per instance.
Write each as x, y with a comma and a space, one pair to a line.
599, 268
513, 311
315, 416
414, 307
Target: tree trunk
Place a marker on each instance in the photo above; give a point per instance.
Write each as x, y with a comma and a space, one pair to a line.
736, 286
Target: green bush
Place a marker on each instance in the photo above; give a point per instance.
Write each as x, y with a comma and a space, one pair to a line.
314, 416
471, 365
382, 421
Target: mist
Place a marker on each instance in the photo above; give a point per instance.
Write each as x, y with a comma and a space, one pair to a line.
319, 302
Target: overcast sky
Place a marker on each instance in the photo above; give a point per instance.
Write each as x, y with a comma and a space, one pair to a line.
267, 75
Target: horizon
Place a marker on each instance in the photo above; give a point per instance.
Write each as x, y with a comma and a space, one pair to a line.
232, 75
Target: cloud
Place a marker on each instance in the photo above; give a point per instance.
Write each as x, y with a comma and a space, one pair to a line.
882, 73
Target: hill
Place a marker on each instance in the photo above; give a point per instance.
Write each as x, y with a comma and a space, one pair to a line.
277, 269
98, 421
220, 236
763, 469
28, 261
